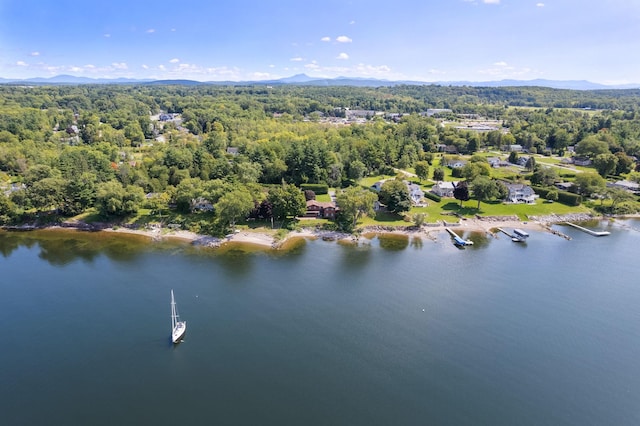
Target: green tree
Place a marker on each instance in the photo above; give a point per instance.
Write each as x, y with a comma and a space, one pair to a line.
7, 209
589, 183
357, 169
186, 192
418, 219
112, 199
422, 170
438, 174
484, 189
625, 163
461, 192
287, 200
233, 206
545, 176
355, 202
531, 164
617, 195
591, 146
471, 170
79, 194
46, 193
605, 164
395, 195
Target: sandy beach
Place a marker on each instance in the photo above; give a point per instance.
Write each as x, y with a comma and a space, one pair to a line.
267, 238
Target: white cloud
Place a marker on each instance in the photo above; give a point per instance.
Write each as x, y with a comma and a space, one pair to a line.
261, 75
343, 56
144, 66
21, 63
106, 35
352, 22
120, 65
540, 4
296, 59
343, 39
174, 60
34, 54
312, 66
271, 66
491, 1
151, 31
161, 67
90, 67
325, 39
503, 70
173, 30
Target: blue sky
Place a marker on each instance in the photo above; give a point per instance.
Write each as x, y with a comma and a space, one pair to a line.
425, 40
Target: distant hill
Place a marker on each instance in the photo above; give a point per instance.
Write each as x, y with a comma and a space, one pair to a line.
303, 79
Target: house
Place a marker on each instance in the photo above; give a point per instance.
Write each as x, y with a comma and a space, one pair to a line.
378, 185
232, 150
415, 192
456, 164
520, 193
522, 161
201, 204
514, 148
319, 209
496, 162
433, 111
564, 186
444, 189
627, 185
582, 161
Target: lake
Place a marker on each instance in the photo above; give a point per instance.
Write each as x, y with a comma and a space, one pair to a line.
393, 331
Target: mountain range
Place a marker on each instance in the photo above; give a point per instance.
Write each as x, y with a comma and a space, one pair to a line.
305, 80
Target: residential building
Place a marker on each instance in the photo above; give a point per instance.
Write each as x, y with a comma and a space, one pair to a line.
444, 189
520, 193
320, 209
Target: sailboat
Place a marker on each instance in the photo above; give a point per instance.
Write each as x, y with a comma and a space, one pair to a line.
178, 328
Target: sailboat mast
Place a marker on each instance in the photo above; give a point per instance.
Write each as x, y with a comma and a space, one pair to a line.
173, 311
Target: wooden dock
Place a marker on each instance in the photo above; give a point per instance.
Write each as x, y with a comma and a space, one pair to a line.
458, 240
589, 231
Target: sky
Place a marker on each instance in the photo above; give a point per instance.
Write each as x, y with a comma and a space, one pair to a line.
240, 40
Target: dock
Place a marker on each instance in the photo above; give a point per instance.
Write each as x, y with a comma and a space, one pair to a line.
458, 240
589, 231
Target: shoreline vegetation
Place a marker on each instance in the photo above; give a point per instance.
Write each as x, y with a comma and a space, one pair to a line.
269, 239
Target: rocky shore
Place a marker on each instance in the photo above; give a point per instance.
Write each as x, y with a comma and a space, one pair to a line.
267, 238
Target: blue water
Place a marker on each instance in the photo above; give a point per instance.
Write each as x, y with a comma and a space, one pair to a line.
393, 331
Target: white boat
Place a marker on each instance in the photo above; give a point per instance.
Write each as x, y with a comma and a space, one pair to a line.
178, 328
519, 236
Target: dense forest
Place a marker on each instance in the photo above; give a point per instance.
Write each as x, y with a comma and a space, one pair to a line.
248, 149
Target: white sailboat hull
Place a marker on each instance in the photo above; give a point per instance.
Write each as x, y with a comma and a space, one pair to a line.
178, 331
178, 328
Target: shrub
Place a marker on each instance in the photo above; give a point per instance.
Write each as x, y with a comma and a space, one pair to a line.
432, 196
318, 188
564, 197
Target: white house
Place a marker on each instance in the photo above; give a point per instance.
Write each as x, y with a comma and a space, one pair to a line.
415, 192
444, 189
520, 193
456, 164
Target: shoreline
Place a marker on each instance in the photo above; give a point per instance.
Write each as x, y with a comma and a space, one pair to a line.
265, 238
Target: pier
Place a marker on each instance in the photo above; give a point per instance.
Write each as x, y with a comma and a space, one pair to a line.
458, 240
589, 231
